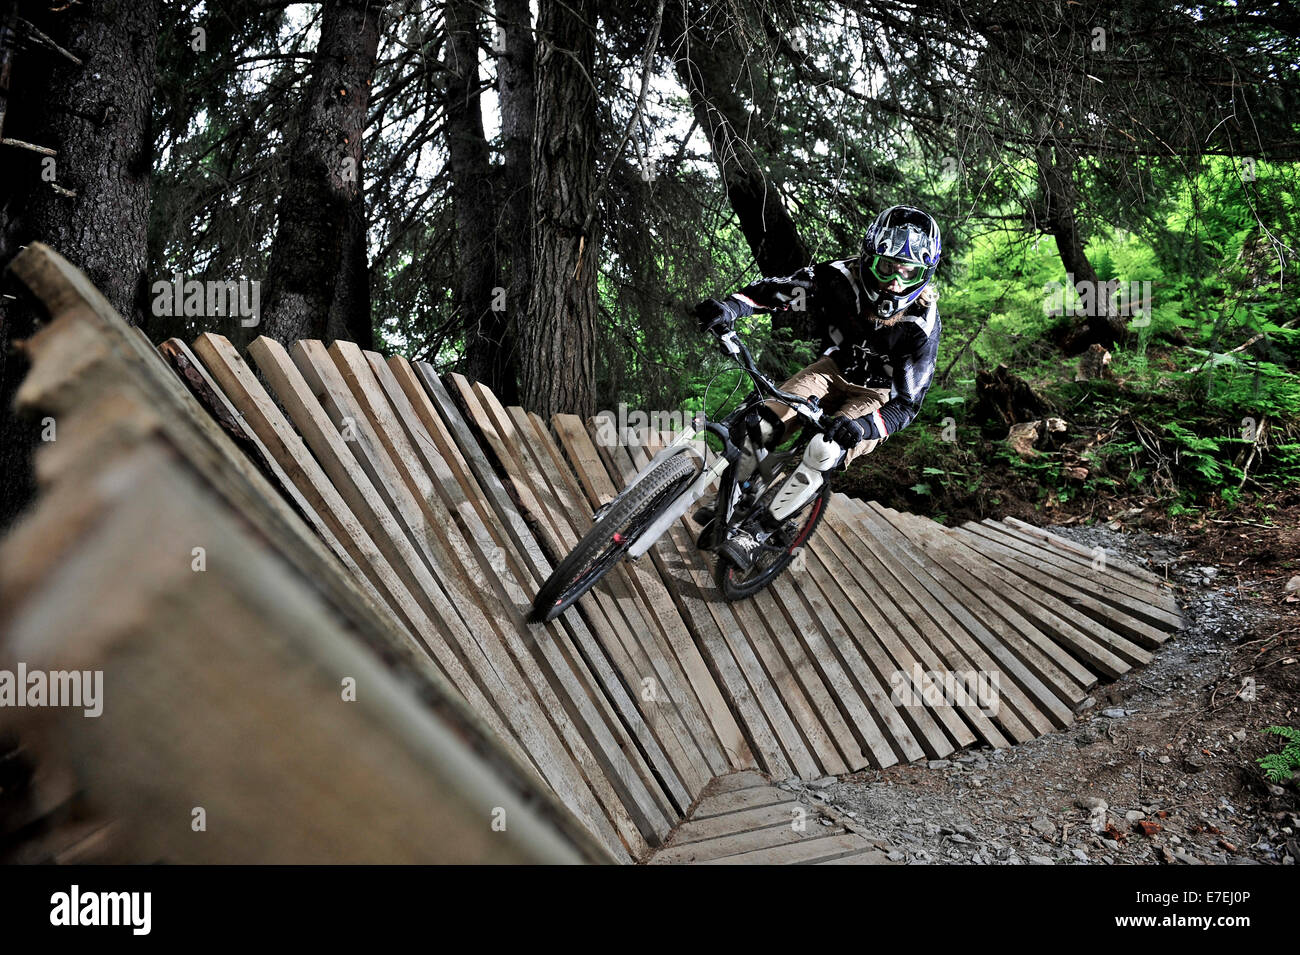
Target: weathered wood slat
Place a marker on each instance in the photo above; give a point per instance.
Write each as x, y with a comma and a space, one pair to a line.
935, 645
476, 566
1019, 689
1045, 658
803, 851
1070, 546
1101, 588
688, 593
1073, 591
1139, 588
780, 814
1102, 649
710, 720
910, 659
496, 677
685, 771
731, 620
227, 691
499, 508
672, 689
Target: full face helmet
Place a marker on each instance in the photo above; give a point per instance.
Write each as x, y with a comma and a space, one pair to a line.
900, 253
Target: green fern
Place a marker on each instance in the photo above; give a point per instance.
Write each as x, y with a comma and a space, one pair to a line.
1278, 767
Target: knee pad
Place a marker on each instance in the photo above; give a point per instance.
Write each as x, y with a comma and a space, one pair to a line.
822, 454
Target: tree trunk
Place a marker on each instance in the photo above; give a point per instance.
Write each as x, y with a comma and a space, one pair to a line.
517, 94
349, 315
559, 328
1060, 199
473, 203
90, 201
704, 67
316, 209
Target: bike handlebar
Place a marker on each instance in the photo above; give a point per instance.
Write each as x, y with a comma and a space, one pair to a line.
808, 408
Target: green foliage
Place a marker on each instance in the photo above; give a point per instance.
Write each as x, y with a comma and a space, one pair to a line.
1278, 767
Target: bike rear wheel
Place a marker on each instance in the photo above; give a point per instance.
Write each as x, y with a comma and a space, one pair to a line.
779, 551
610, 537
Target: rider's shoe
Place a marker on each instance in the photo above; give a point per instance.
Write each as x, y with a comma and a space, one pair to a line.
741, 549
743, 546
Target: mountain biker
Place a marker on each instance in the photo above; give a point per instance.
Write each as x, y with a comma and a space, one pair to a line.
878, 319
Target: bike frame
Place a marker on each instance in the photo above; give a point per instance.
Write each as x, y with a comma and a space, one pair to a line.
684, 443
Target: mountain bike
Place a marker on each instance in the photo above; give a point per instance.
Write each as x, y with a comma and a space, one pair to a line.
678, 476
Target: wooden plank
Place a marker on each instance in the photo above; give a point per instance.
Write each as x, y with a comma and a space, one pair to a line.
765, 838
227, 685
707, 687
484, 659
286, 447
1159, 594
1069, 546
913, 731
1045, 658
956, 608
846, 715
660, 617
107, 353
945, 646
748, 779
497, 506
765, 639
911, 658
1082, 577
873, 713
476, 566
697, 830
1138, 590
1100, 647
1075, 592
630, 655
738, 801
704, 709
803, 851
462, 493
732, 620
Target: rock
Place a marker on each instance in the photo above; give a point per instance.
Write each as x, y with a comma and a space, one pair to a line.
1133, 815
958, 837
1087, 704
1114, 712
823, 782
939, 763
1040, 860
1044, 827
1079, 854
1091, 803
895, 856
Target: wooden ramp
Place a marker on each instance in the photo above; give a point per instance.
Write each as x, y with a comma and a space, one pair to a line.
414, 517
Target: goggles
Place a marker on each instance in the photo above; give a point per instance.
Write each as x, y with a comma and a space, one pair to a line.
889, 270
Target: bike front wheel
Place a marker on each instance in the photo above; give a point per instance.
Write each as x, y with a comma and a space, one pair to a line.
610, 537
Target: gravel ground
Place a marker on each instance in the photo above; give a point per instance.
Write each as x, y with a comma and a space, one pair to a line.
1157, 768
